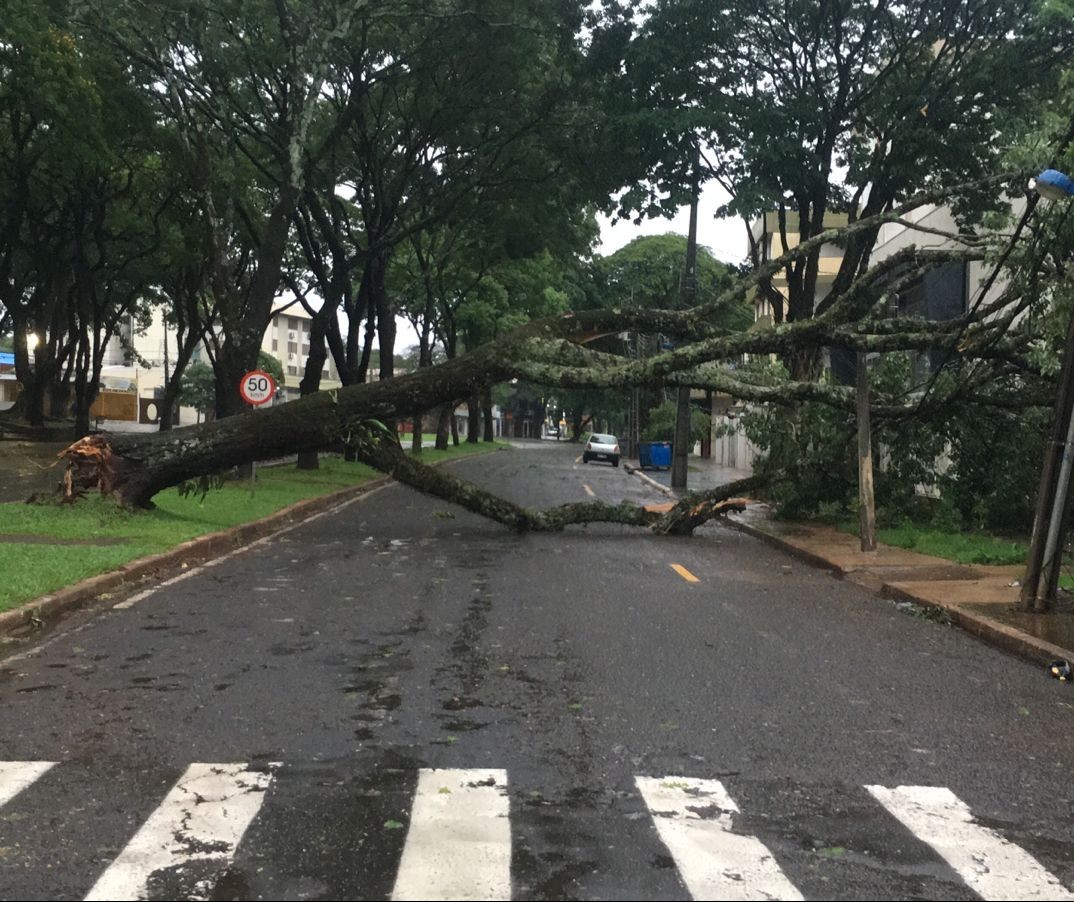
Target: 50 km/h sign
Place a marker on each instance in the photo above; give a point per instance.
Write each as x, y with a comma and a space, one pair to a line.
257, 387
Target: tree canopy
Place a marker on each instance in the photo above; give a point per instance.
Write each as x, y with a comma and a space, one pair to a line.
445, 161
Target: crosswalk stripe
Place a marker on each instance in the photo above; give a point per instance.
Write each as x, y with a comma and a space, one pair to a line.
459, 842
15, 776
202, 819
458, 845
992, 867
693, 818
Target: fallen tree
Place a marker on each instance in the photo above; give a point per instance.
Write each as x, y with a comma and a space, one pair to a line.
383, 452
134, 467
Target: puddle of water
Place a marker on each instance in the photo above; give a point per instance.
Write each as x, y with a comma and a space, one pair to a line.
1057, 627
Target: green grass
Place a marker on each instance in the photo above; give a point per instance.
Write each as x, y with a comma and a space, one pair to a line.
431, 455
963, 547
408, 436
34, 569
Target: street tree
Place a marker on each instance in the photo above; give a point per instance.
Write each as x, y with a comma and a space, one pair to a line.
554, 352
809, 109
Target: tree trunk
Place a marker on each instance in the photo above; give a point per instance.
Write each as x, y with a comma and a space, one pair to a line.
173, 387
473, 419
866, 497
59, 400
682, 518
135, 466
415, 439
806, 364
82, 388
486, 416
443, 426
680, 448
311, 381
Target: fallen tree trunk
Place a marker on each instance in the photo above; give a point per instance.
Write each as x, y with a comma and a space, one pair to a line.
697, 508
135, 466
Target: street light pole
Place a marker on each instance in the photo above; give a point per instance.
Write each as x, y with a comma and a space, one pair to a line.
1045, 554
689, 289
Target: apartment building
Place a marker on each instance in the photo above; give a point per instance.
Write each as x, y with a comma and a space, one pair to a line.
287, 338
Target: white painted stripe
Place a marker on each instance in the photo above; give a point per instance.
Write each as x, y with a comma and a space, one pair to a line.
201, 819
459, 842
588, 490
694, 820
15, 776
992, 867
264, 540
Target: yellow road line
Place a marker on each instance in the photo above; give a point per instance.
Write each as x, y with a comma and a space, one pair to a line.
684, 573
588, 490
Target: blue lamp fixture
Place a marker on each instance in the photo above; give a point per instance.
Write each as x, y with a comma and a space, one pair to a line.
1054, 185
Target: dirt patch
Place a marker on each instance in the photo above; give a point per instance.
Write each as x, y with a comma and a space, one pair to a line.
26, 468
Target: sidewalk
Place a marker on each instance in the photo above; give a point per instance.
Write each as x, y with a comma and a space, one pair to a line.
701, 475
977, 598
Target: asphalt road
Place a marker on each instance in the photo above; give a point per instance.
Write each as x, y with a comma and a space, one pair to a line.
399, 695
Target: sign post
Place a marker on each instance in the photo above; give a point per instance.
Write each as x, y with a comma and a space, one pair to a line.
257, 387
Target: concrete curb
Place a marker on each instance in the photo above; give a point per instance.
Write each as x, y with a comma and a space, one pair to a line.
637, 471
1009, 638
33, 613
814, 559
194, 551
1000, 635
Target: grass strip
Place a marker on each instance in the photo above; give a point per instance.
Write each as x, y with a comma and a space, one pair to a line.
30, 570
962, 547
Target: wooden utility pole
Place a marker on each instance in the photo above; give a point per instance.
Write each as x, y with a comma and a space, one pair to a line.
866, 496
681, 449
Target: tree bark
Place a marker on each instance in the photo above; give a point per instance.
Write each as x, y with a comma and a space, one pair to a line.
445, 417
866, 496
489, 434
682, 518
415, 439
308, 459
473, 419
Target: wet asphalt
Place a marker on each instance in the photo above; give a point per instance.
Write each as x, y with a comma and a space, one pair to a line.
402, 633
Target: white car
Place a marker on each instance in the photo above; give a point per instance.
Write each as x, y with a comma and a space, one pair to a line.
601, 447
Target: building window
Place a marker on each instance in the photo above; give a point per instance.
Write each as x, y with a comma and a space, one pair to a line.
292, 347
292, 370
324, 374
275, 345
292, 322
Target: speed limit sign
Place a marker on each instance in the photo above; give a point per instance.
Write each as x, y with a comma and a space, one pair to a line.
257, 387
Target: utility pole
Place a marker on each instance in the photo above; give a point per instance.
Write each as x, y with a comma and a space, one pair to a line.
1046, 549
689, 289
866, 497
1037, 594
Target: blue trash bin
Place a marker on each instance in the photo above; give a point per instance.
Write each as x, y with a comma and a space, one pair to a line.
654, 455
